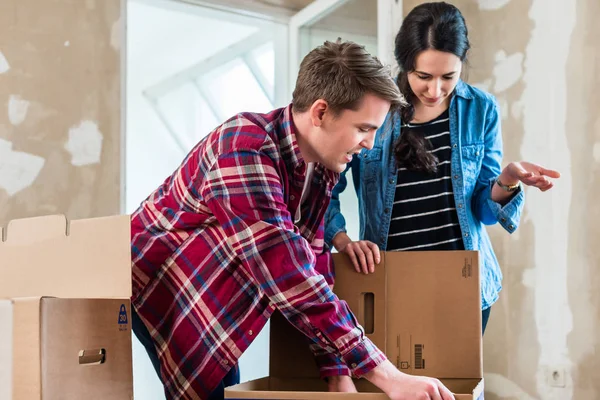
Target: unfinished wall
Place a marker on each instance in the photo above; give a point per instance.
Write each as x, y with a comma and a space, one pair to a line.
541, 58
60, 108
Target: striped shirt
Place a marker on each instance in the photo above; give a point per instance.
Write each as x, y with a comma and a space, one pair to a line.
424, 215
215, 252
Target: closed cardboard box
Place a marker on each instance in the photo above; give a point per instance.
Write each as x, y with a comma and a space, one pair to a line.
65, 331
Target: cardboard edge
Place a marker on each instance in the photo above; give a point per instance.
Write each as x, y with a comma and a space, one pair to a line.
27, 229
260, 389
479, 317
119, 220
6, 348
27, 375
244, 391
262, 395
55, 225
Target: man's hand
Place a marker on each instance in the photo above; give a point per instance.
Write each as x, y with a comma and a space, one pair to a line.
341, 383
401, 386
363, 254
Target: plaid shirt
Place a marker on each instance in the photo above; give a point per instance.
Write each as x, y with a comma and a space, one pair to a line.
215, 252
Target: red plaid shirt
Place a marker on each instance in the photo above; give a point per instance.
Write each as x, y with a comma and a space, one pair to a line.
215, 251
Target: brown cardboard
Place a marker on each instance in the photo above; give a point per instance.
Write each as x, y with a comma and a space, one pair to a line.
46, 256
444, 316
314, 388
76, 344
421, 308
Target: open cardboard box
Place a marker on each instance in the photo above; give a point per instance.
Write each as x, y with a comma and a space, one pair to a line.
65, 331
421, 308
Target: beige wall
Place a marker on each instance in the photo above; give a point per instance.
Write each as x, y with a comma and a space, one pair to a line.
60, 108
541, 58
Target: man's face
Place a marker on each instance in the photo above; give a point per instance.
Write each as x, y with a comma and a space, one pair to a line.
341, 136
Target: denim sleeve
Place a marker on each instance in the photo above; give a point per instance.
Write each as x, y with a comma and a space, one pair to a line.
334, 220
485, 209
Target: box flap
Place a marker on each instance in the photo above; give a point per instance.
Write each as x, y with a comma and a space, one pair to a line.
366, 296
423, 308
6, 345
88, 258
434, 313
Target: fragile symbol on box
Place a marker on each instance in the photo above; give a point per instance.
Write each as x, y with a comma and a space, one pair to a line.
123, 320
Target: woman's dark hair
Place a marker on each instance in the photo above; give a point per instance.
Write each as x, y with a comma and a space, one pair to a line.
438, 26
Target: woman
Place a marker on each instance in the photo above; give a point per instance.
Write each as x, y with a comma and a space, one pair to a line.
433, 178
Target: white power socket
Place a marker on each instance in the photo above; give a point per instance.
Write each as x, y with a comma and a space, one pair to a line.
556, 376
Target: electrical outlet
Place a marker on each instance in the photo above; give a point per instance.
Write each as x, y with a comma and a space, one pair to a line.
556, 376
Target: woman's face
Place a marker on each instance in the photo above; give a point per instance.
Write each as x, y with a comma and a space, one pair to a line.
435, 77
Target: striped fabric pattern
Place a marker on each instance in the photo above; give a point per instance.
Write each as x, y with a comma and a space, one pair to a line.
424, 213
215, 252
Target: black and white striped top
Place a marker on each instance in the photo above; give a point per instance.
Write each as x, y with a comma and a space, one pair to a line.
424, 215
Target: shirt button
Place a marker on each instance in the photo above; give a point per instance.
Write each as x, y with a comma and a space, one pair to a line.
467, 234
387, 210
250, 332
353, 365
476, 153
503, 219
454, 145
460, 205
225, 362
511, 227
455, 176
293, 197
391, 181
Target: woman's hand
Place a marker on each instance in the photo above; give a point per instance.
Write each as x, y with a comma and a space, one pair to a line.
363, 253
529, 174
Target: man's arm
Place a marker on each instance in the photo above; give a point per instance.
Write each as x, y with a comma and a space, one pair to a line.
243, 190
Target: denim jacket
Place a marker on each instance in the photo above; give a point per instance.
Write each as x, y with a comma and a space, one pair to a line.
475, 164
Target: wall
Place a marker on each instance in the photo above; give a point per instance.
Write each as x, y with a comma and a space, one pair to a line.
60, 108
541, 59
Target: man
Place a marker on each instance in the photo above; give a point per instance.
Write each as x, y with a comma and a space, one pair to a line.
237, 232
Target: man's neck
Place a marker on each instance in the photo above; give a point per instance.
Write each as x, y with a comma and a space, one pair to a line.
303, 129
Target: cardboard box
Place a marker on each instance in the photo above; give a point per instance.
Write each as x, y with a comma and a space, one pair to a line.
65, 331
6, 338
421, 308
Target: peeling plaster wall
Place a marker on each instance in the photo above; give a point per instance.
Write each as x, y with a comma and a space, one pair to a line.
60, 108
541, 58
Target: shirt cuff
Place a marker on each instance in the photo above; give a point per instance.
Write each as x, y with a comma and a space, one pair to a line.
331, 364
363, 358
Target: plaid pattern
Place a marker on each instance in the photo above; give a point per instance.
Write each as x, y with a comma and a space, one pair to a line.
215, 252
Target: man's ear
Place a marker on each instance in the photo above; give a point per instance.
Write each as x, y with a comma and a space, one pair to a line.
317, 112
